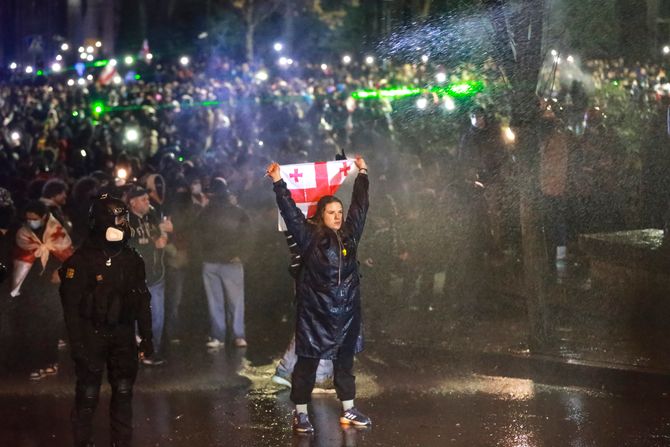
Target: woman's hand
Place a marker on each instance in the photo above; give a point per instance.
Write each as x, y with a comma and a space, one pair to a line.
360, 164
272, 171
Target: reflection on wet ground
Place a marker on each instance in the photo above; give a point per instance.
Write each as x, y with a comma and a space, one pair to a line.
415, 398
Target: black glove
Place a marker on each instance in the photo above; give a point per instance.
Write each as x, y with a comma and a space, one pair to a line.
147, 347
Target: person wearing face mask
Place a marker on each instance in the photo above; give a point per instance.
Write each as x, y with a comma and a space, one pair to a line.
40, 245
328, 322
104, 297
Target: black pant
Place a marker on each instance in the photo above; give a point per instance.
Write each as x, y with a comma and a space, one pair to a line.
304, 376
115, 348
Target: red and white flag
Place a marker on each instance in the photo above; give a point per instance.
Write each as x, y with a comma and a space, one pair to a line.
308, 182
107, 74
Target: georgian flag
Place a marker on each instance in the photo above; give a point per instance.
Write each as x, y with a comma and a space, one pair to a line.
308, 182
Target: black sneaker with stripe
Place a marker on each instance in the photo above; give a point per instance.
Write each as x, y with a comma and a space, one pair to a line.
301, 423
354, 417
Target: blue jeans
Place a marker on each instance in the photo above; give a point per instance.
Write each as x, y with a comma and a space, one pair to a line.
157, 292
224, 286
288, 361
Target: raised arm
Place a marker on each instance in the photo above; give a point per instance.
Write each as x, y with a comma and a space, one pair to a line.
296, 223
359, 201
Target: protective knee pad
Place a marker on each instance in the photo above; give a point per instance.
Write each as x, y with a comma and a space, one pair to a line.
88, 397
124, 388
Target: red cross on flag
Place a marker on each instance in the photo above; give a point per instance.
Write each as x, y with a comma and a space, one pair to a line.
308, 182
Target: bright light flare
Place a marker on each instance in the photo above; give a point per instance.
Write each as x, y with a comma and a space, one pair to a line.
184, 61
324, 67
64, 47
59, 57
441, 77
29, 69
81, 81
98, 44
132, 135
421, 103
449, 104
570, 59
278, 46
122, 173
508, 135
56, 67
13, 66
70, 82
83, 153
424, 58
666, 49
90, 49
369, 60
149, 56
262, 75
128, 60
15, 136
346, 59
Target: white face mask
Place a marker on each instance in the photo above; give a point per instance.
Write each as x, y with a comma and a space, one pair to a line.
113, 234
35, 224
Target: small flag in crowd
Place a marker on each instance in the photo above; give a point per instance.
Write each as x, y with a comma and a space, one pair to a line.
308, 182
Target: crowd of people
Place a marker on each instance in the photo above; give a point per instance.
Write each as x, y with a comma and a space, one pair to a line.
185, 147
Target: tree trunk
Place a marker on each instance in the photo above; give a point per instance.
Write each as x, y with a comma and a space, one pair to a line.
251, 28
518, 41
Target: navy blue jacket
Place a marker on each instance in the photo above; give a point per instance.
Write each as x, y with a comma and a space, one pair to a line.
328, 296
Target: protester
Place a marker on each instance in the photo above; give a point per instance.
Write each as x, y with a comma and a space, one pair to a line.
328, 294
223, 231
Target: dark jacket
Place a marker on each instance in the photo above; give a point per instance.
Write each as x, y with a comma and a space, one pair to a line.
144, 232
327, 290
96, 294
222, 230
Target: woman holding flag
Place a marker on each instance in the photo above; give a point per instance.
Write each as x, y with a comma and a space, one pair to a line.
328, 322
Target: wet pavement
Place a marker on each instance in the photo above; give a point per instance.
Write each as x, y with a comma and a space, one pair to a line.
416, 397
435, 373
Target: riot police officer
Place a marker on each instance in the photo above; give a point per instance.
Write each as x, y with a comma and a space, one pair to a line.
104, 296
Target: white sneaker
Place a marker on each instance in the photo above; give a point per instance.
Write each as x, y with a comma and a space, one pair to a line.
214, 343
283, 381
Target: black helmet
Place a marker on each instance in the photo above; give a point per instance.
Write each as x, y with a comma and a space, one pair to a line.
108, 212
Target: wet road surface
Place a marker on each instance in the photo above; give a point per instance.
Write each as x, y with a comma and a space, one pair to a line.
415, 397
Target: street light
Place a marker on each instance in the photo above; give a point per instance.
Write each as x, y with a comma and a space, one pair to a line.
112, 63
449, 104
81, 81
570, 59
132, 135
82, 50
278, 46
90, 58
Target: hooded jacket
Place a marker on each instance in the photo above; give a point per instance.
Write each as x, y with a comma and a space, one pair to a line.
328, 294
